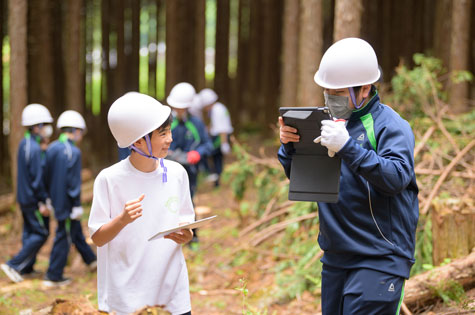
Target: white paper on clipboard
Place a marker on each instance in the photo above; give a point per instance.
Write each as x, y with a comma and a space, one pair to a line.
191, 225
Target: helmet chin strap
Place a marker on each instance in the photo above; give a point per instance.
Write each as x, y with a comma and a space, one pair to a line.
353, 98
150, 156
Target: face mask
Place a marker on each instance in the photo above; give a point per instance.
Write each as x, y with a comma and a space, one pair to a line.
338, 106
46, 131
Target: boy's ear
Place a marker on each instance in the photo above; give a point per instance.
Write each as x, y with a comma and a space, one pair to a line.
139, 142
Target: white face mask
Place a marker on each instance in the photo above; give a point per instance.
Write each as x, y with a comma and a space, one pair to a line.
46, 131
338, 106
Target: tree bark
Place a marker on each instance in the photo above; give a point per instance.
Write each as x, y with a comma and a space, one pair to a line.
459, 53
347, 19
442, 31
289, 79
132, 46
120, 72
73, 66
4, 160
17, 29
153, 42
221, 78
40, 53
310, 53
420, 289
59, 104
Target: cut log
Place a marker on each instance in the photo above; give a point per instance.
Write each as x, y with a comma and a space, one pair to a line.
420, 289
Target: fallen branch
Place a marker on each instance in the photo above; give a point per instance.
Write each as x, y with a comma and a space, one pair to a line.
446, 172
426, 137
283, 209
273, 229
426, 171
420, 289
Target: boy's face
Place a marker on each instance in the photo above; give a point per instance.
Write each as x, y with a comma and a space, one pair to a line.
161, 140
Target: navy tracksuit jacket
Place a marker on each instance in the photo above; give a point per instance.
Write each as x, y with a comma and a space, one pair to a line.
30, 191
187, 136
373, 224
63, 181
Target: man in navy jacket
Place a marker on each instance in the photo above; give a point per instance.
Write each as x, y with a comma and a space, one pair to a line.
368, 236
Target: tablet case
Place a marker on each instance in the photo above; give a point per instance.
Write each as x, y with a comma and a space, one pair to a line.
314, 176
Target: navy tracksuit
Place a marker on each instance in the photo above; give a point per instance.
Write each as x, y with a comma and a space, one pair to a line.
189, 135
63, 181
30, 191
368, 236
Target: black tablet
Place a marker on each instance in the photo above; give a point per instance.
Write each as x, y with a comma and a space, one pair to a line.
314, 176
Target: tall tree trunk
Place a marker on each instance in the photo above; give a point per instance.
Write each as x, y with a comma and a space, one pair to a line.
17, 29
289, 79
120, 72
270, 56
132, 46
153, 42
57, 55
73, 65
347, 19
459, 53
442, 30
40, 53
221, 78
185, 53
3, 139
254, 101
310, 53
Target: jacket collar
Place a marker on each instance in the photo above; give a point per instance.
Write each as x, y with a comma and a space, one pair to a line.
369, 107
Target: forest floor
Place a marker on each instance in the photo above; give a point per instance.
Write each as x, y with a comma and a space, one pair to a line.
217, 286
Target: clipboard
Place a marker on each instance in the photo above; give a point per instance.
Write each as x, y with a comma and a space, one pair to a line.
191, 225
314, 176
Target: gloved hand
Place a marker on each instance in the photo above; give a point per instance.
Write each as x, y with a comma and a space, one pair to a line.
193, 157
49, 204
76, 213
334, 135
44, 210
225, 148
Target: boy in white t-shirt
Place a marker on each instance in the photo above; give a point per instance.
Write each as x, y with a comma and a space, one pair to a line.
134, 199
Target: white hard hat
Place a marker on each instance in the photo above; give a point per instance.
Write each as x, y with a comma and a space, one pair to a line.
181, 95
71, 118
134, 115
35, 114
208, 97
347, 63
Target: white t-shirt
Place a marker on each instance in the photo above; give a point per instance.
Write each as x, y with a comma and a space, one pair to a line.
133, 272
220, 120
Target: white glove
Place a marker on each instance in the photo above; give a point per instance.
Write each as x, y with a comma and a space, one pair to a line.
317, 140
76, 213
49, 204
334, 135
225, 148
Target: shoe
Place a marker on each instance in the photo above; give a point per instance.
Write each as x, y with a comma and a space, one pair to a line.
11, 273
92, 267
212, 178
31, 275
56, 283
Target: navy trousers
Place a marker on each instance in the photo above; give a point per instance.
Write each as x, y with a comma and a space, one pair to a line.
67, 233
360, 291
35, 234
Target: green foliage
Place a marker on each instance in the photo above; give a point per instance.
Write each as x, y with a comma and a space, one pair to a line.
422, 87
423, 253
247, 308
450, 291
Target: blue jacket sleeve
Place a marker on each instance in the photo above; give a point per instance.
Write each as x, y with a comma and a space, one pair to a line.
35, 169
391, 169
74, 179
285, 157
206, 145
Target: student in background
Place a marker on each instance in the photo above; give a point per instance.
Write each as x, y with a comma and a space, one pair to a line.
220, 130
63, 181
191, 142
31, 192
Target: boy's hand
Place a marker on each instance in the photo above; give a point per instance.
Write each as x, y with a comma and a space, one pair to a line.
287, 133
181, 237
132, 210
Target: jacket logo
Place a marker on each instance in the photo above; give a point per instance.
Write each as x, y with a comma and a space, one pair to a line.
360, 137
391, 287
